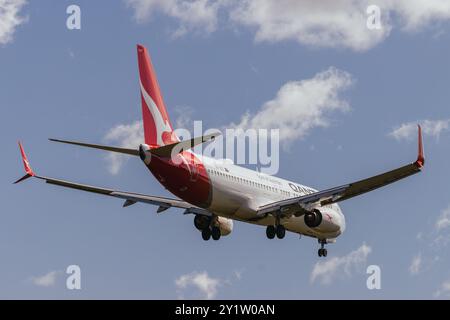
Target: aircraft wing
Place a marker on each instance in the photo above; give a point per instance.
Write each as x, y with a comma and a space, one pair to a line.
299, 205
129, 197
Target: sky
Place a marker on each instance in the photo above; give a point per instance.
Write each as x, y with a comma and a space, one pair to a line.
346, 98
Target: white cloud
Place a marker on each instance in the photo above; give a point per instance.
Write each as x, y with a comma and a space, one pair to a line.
200, 16
444, 290
331, 23
47, 280
325, 23
328, 270
436, 241
416, 264
416, 14
10, 18
300, 106
443, 220
408, 131
126, 136
200, 281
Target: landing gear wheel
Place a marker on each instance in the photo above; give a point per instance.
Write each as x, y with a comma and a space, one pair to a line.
281, 231
206, 234
270, 232
215, 232
322, 251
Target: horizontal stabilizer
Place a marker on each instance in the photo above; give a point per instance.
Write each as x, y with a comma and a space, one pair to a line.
178, 147
133, 152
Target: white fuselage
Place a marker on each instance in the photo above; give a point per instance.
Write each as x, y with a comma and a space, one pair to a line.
237, 193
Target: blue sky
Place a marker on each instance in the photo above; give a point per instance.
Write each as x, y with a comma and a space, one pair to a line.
219, 60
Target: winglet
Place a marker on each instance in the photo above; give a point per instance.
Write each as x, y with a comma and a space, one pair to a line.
420, 162
29, 172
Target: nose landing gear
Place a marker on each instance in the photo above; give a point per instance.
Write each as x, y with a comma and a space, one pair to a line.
322, 251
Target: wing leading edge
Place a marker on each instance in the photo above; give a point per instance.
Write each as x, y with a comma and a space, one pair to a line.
298, 205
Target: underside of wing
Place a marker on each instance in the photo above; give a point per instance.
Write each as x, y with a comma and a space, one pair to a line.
130, 197
302, 204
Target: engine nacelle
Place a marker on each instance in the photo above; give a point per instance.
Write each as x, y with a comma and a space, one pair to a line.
313, 218
225, 225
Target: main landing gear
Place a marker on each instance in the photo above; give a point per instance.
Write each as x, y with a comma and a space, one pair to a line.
322, 251
209, 232
278, 230
207, 227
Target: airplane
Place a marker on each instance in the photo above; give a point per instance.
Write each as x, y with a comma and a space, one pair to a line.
218, 192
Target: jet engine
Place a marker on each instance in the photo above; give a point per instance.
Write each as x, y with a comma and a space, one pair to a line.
225, 225
313, 218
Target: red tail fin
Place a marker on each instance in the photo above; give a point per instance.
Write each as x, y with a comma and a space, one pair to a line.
157, 127
26, 165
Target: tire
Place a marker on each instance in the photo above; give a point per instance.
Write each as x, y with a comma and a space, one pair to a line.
324, 252
206, 234
281, 231
270, 232
201, 222
319, 252
215, 233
